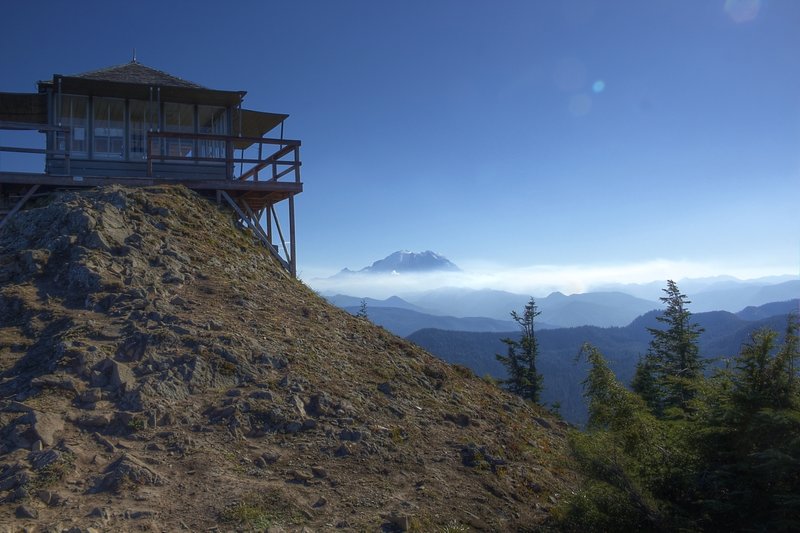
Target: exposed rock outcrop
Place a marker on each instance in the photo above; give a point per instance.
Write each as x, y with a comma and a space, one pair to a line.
158, 368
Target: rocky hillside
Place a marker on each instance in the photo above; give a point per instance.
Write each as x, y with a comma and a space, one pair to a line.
159, 371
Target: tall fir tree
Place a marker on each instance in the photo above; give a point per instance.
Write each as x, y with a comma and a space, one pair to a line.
520, 360
666, 376
645, 383
787, 360
749, 440
362, 309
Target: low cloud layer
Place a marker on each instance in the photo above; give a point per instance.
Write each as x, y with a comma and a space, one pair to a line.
538, 280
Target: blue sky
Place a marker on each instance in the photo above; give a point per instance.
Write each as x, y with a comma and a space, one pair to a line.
533, 143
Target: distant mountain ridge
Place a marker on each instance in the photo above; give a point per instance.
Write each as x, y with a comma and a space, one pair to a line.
404, 322
346, 302
721, 292
592, 308
615, 306
405, 261
402, 317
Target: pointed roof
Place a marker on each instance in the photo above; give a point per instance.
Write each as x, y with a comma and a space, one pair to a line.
135, 80
135, 72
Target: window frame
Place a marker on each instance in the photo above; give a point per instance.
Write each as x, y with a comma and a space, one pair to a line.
97, 103
69, 120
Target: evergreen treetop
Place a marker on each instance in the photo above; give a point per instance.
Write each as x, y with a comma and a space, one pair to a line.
666, 377
520, 360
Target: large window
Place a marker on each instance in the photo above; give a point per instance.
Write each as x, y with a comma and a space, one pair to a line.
143, 116
109, 128
115, 128
179, 118
74, 114
211, 120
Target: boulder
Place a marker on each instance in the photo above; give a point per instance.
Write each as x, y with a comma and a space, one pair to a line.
125, 472
45, 426
121, 377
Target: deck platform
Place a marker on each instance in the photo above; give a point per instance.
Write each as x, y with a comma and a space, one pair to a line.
269, 176
256, 194
253, 201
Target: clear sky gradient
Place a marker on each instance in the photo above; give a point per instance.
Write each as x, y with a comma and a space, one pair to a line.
595, 138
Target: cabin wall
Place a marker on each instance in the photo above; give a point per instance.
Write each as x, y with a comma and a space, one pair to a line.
109, 136
94, 167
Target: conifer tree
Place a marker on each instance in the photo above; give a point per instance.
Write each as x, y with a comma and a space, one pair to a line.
362, 309
620, 454
787, 360
520, 360
749, 442
646, 385
672, 365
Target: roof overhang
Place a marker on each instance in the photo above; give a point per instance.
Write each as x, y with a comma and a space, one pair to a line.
255, 124
23, 107
140, 91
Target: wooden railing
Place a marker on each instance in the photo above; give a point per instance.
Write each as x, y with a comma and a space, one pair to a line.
270, 159
45, 128
262, 159
192, 148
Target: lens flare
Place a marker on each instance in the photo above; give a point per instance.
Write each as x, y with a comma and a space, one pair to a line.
570, 74
580, 105
742, 10
599, 86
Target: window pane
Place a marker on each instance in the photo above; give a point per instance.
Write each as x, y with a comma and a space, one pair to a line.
74, 115
109, 127
179, 118
212, 120
142, 114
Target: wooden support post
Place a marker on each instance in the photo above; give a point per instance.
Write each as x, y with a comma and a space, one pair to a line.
19, 205
257, 231
260, 215
293, 258
254, 222
260, 150
280, 232
297, 164
269, 222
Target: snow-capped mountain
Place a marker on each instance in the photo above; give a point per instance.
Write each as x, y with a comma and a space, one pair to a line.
405, 261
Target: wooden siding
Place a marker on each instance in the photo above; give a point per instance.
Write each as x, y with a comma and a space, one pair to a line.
23, 107
111, 167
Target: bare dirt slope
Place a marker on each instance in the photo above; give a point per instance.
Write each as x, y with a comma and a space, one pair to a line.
159, 371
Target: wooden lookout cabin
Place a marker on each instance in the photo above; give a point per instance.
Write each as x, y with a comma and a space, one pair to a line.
135, 125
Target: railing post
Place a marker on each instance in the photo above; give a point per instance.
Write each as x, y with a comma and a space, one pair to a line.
229, 166
260, 150
275, 167
68, 146
149, 156
297, 164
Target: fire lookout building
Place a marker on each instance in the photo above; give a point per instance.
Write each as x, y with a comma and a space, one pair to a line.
135, 125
